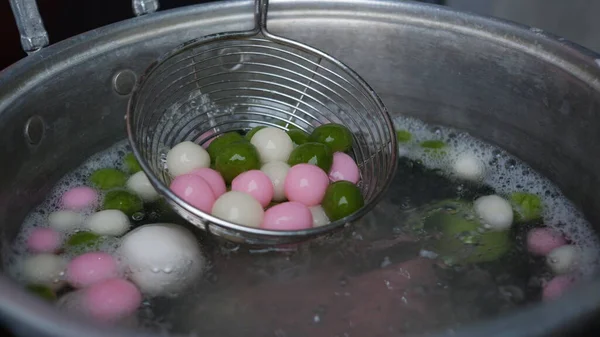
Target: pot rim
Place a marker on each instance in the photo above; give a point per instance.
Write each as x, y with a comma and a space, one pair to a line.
25, 313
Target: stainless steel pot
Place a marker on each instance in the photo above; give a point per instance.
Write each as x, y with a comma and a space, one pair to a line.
532, 94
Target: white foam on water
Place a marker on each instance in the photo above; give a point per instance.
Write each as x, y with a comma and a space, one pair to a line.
505, 174
111, 157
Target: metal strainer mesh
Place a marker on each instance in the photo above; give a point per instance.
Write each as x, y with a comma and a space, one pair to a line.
236, 81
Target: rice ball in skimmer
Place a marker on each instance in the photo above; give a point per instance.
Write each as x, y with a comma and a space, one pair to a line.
185, 157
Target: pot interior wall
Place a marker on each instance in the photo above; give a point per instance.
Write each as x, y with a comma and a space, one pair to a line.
539, 103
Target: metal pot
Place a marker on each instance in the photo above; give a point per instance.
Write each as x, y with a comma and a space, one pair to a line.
519, 88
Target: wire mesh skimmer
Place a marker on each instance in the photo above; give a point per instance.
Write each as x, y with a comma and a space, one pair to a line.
238, 80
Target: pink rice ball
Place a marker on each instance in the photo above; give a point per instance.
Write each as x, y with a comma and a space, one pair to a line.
306, 183
344, 168
213, 178
194, 190
288, 216
44, 240
79, 198
557, 286
257, 184
111, 300
91, 268
205, 135
541, 241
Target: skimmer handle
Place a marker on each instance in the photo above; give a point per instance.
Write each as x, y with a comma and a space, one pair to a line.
31, 27
260, 15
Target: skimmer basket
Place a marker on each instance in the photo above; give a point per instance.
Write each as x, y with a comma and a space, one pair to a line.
238, 80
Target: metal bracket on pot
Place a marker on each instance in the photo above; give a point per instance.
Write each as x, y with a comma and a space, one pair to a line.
31, 27
33, 34
142, 7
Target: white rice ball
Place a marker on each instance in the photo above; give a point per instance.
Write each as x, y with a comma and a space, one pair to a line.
319, 216
277, 171
495, 212
186, 157
65, 221
272, 144
163, 259
44, 269
109, 222
564, 259
141, 186
239, 208
469, 167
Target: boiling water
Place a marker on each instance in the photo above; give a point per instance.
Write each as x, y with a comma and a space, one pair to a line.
376, 278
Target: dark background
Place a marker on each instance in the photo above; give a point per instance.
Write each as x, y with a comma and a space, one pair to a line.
66, 18
576, 20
